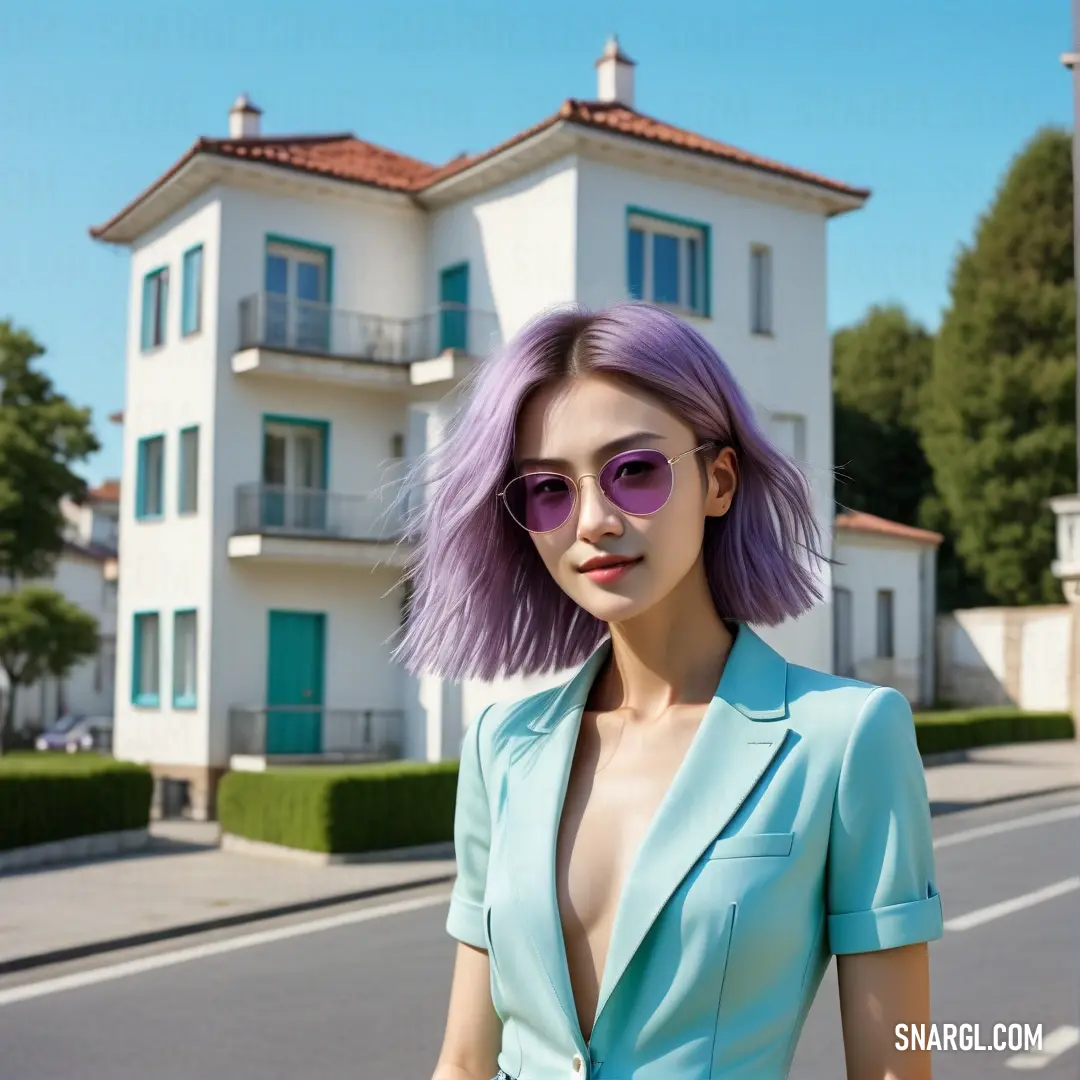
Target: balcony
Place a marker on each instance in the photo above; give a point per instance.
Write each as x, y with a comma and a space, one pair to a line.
261, 735
296, 525
285, 337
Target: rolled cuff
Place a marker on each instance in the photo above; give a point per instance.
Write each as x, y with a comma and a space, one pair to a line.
887, 927
465, 921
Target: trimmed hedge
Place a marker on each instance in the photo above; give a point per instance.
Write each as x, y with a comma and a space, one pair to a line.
964, 729
50, 797
358, 808
342, 809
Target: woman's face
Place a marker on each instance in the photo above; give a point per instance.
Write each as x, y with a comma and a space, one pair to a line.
575, 427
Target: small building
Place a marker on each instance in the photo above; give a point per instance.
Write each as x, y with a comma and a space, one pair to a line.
85, 574
884, 604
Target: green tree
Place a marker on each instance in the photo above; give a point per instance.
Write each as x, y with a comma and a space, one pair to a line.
1000, 419
879, 368
42, 434
41, 633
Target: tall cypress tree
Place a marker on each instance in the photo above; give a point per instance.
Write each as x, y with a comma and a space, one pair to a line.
1000, 416
879, 367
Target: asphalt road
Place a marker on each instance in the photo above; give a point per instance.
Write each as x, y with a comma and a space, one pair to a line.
360, 992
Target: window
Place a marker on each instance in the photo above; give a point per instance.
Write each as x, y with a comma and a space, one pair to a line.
397, 446
885, 623
188, 500
298, 279
150, 486
104, 665
155, 305
191, 304
761, 290
667, 261
185, 647
146, 659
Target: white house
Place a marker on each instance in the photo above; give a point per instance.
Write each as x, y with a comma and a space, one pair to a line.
884, 604
86, 575
301, 309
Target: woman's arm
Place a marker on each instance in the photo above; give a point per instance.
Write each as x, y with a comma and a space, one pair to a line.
879, 990
470, 1048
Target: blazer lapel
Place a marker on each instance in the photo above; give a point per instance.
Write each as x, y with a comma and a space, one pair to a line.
729, 754
538, 775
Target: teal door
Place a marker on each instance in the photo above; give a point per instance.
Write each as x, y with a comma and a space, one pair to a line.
295, 682
454, 308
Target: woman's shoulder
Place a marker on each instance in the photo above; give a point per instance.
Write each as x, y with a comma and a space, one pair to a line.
822, 700
501, 721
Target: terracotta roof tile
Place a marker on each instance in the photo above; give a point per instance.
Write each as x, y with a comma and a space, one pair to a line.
344, 157
341, 156
625, 121
108, 491
857, 521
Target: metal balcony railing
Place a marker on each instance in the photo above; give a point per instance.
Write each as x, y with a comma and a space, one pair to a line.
269, 509
315, 731
269, 321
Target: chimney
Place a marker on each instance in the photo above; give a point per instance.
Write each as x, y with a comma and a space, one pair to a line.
615, 75
244, 119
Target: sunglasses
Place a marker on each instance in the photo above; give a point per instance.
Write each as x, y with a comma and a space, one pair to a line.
637, 482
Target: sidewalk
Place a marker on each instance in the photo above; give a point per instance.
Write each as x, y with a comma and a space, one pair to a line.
997, 774
183, 883
180, 884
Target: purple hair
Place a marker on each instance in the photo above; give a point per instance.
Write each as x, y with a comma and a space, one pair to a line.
482, 602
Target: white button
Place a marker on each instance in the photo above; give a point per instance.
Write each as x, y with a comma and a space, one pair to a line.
577, 1063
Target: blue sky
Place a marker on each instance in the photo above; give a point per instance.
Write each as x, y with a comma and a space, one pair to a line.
925, 102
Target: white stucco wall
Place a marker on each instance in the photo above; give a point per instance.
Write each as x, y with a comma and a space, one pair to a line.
379, 262
868, 563
359, 620
1007, 656
519, 240
787, 374
88, 687
165, 564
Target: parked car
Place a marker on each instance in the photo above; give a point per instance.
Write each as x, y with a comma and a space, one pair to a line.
75, 733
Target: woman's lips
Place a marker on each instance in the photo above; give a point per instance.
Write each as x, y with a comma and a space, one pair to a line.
604, 575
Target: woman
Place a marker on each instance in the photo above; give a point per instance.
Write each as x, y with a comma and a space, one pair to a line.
657, 859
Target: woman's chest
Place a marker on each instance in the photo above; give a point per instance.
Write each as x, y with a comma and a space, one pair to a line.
613, 793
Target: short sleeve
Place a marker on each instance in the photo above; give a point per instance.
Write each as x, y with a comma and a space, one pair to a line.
472, 838
881, 876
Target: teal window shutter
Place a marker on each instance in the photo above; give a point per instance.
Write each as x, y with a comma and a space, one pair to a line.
191, 313
147, 338
635, 242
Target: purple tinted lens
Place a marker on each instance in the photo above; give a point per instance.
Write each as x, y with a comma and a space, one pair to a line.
540, 502
637, 482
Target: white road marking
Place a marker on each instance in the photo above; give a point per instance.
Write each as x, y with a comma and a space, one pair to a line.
1007, 907
1060, 814
1053, 1046
80, 979
215, 948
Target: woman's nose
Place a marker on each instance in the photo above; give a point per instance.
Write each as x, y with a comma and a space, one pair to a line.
596, 516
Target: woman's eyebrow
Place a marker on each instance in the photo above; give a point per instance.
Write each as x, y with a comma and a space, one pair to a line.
632, 441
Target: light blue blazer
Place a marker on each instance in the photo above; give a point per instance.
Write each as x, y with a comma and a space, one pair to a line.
797, 827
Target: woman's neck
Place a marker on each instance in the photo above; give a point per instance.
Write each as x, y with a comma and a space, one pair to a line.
674, 654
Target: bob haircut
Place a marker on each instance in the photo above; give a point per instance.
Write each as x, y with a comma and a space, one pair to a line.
481, 602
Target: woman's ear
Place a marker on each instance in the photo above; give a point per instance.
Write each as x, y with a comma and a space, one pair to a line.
723, 474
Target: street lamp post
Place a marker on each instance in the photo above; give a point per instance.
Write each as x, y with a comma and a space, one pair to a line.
1066, 566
